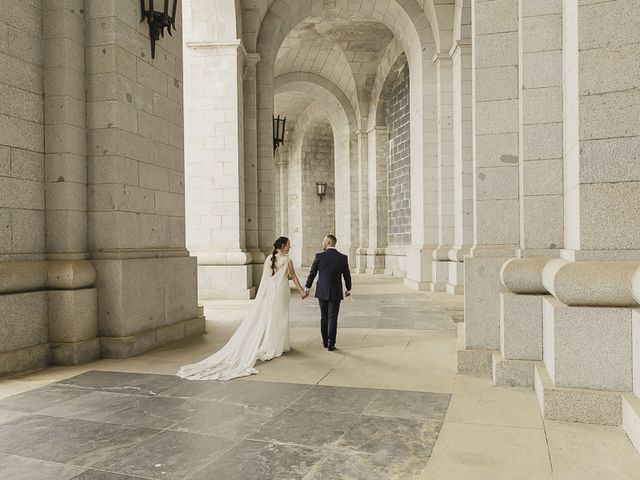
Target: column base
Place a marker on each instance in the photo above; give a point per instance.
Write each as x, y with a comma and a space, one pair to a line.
482, 302
227, 282
125, 347
419, 267
475, 362
455, 281
631, 418
579, 405
75, 353
511, 373
33, 357
420, 286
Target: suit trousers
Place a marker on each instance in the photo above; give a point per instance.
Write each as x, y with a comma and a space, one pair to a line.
329, 310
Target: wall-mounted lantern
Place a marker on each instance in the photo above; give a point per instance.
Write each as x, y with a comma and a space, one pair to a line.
278, 131
158, 20
321, 189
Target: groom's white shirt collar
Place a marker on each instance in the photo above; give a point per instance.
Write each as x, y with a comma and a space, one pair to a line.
330, 247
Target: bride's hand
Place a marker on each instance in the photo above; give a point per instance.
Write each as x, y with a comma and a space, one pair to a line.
303, 294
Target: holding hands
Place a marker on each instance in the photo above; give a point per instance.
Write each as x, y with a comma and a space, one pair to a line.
303, 293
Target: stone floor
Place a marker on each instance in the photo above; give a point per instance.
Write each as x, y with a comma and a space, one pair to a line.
370, 410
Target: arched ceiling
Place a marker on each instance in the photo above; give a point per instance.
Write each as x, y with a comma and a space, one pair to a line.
342, 47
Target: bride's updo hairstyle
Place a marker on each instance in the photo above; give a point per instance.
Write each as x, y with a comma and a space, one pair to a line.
279, 244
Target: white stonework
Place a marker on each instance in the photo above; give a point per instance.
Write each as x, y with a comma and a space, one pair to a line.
484, 147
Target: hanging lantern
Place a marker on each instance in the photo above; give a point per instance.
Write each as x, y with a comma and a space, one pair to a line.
321, 189
158, 20
278, 131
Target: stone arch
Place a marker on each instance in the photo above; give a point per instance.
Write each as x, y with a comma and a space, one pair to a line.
290, 57
285, 81
390, 61
415, 31
333, 105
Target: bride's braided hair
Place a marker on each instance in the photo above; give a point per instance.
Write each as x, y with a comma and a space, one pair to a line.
279, 244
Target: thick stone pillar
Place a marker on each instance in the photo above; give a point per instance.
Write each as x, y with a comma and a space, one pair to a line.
249, 125
378, 199
462, 164
73, 321
424, 171
147, 290
496, 171
265, 163
602, 129
215, 167
441, 264
282, 187
540, 95
363, 201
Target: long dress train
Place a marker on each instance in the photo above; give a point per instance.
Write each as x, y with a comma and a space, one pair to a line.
262, 335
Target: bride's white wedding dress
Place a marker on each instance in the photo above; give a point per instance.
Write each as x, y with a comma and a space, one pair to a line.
262, 335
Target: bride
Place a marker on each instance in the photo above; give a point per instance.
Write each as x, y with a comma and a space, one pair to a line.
264, 332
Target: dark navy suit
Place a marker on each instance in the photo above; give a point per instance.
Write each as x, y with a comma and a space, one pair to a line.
332, 266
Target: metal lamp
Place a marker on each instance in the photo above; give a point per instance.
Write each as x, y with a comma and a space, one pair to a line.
158, 20
321, 189
278, 131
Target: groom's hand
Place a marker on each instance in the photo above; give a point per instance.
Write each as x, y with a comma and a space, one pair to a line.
347, 293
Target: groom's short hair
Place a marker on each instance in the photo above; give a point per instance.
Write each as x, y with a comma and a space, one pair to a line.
332, 239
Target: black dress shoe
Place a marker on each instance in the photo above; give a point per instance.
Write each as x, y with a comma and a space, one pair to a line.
331, 348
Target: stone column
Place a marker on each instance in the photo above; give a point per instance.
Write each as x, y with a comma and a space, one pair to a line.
378, 199
249, 126
602, 129
265, 166
424, 171
73, 321
462, 164
282, 187
215, 167
147, 290
496, 172
440, 267
363, 201
541, 189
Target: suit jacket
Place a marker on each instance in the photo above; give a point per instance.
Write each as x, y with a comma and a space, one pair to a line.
332, 265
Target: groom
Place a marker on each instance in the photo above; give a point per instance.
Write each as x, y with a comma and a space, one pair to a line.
332, 265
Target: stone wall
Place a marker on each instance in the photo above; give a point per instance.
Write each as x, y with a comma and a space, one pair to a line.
23, 316
318, 216
399, 178
92, 250
22, 202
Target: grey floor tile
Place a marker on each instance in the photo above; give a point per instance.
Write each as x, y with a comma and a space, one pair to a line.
99, 475
194, 388
78, 442
228, 420
170, 455
250, 460
305, 428
155, 412
360, 466
40, 398
13, 467
273, 395
124, 382
421, 405
8, 415
96, 405
335, 399
391, 436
